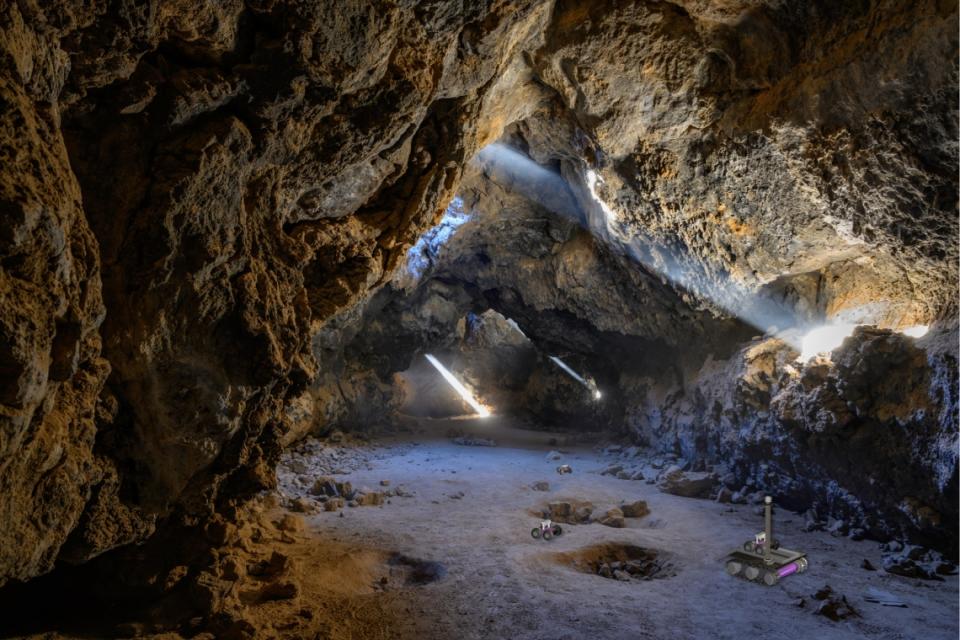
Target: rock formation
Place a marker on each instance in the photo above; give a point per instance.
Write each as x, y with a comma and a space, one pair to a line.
203, 203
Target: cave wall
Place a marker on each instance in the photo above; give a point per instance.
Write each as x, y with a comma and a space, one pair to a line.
189, 192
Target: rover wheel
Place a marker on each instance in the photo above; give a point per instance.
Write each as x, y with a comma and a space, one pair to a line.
557, 530
770, 578
749, 547
776, 544
547, 534
535, 533
734, 567
751, 573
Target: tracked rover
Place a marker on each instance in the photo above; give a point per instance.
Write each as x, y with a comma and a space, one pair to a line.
762, 559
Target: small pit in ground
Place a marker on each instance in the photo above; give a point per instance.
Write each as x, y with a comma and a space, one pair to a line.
622, 562
404, 571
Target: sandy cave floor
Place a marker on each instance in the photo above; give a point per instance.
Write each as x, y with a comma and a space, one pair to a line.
471, 513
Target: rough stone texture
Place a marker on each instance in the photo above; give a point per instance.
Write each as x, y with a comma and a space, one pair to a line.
783, 166
200, 199
689, 484
190, 191
870, 437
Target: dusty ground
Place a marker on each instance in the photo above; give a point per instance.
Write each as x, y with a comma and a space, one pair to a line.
470, 512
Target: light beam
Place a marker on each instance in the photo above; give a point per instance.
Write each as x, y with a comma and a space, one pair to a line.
481, 410
916, 331
589, 384
824, 340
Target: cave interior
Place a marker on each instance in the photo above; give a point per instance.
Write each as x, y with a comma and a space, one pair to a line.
490, 319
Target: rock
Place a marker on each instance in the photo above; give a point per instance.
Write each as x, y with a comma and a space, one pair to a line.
623, 576
612, 470
384, 483
571, 512
325, 486
635, 509
232, 568
623, 475
333, 504
894, 546
837, 528
371, 499
345, 490
280, 590
564, 468
836, 609
612, 518
689, 484
913, 562
866, 564
290, 522
402, 492
553, 456
724, 495
637, 475
542, 485
298, 466
303, 505
278, 564
220, 532
175, 576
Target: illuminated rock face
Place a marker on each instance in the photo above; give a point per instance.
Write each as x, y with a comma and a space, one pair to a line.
190, 191
198, 199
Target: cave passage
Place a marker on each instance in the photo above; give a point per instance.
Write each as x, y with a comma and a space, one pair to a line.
513, 319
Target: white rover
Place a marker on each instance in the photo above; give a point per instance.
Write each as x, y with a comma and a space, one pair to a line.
546, 530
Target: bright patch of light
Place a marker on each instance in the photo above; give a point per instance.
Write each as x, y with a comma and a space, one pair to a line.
917, 331
481, 410
592, 179
424, 253
824, 340
589, 384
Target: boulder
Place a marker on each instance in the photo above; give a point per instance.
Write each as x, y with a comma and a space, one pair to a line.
325, 486
569, 511
724, 495
635, 509
833, 605
612, 518
291, 523
371, 499
689, 484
